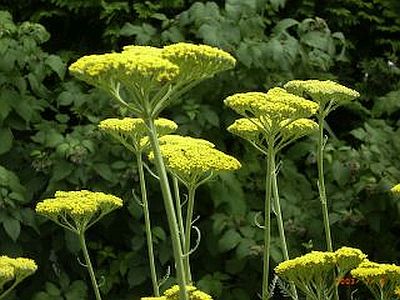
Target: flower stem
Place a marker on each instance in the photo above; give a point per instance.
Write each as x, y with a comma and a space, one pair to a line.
89, 264
2, 296
188, 229
279, 218
149, 236
322, 191
169, 208
267, 218
178, 208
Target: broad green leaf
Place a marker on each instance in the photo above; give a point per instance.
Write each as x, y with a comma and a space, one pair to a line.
56, 64
229, 240
284, 25
12, 228
6, 140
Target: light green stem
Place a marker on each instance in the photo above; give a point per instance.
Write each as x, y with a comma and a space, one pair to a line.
88, 263
281, 228
267, 218
6, 292
178, 208
147, 223
188, 229
322, 191
169, 208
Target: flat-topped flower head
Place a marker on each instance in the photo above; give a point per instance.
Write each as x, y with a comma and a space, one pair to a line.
198, 61
132, 132
77, 210
194, 161
248, 129
143, 50
322, 92
396, 190
348, 258
15, 268
374, 273
179, 139
194, 294
106, 70
298, 128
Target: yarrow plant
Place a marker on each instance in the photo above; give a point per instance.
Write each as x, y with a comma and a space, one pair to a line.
145, 80
77, 211
13, 271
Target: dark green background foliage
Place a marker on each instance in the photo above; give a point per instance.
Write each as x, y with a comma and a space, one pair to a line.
49, 140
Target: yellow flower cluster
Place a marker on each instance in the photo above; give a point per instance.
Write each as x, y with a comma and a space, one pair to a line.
396, 190
249, 129
322, 92
129, 67
191, 160
348, 258
132, 132
194, 294
142, 50
377, 274
198, 61
298, 128
179, 139
15, 268
79, 206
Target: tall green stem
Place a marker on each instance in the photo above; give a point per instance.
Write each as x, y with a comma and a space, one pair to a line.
8, 291
267, 218
178, 208
279, 218
169, 208
322, 190
89, 264
321, 184
188, 229
147, 223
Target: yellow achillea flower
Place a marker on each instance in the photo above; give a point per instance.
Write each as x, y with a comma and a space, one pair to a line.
15, 269
396, 190
193, 161
348, 258
249, 129
322, 92
179, 139
298, 128
83, 208
271, 108
132, 132
194, 294
106, 70
312, 273
142, 50
198, 61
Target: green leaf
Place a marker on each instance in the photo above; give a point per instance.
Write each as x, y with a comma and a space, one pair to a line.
229, 240
12, 228
104, 171
6, 140
284, 25
62, 170
137, 276
56, 64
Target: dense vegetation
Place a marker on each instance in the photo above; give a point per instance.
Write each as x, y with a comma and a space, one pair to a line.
49, 139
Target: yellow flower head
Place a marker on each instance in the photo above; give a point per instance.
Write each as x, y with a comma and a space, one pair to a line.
18, 268
194, 294
193, 161
132, 132
105, 70
297, 129
396, 190
80, 207
307, 267
348, 258
198, 61
271, 108
322, 92
249, 129
179, 139
142, 50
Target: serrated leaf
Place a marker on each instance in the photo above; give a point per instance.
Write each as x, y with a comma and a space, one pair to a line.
229, 240
12, 228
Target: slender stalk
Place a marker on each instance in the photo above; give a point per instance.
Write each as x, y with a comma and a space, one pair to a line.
147, 223
188, 229
2, 296
89, 264
322, 191
267, 218
279, 218
178, 208
169, 208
